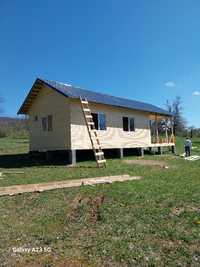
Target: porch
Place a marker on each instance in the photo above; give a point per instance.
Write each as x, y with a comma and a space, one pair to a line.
162, 133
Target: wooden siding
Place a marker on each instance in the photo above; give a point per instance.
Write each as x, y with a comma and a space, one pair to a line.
49, 102
114, 136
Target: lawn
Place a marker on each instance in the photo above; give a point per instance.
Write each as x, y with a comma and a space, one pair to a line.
151, 222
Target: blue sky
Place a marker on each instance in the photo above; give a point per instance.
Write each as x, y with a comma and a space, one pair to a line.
146, 50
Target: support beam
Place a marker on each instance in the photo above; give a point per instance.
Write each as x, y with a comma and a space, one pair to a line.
120, 153
174, 149
72, 157
172, 130
166, 132
141, 152
157, 134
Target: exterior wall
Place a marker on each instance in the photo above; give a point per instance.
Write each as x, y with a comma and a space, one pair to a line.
114, 136
49, 102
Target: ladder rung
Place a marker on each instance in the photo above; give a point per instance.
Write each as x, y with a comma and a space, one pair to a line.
101, 161
88, 116
90, 123
84, 102
99, 153
87, 110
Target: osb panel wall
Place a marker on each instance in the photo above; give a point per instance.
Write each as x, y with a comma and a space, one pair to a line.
114, 136
49, 102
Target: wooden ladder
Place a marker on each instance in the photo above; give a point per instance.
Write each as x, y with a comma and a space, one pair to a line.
96, 146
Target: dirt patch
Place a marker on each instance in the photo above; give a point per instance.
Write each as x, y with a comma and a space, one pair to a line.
87, 207
144, 162
179, 210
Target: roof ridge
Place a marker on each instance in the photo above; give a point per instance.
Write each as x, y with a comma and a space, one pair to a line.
104, 94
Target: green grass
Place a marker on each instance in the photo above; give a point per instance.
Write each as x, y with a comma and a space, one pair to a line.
150, 222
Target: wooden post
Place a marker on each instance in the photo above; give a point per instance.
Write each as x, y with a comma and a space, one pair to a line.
72, 157
174, 149
172, 130
121, 153
157, 135
166, 132
141, 152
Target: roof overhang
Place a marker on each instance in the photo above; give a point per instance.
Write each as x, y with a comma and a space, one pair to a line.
30, 98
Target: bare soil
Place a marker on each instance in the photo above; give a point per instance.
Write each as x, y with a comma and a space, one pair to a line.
147, 162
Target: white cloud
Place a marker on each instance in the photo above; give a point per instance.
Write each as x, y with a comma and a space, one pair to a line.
196, 93
170, 84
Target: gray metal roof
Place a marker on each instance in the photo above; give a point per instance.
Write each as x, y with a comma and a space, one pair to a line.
76, 92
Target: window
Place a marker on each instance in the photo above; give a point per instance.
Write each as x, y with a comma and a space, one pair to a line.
95, 120
36, 118
128, 124
50, 123
99, 121
102, 121
47, 123
132, 124
44, 124
125, 124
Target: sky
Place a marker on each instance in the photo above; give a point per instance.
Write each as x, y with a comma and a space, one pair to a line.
147, 50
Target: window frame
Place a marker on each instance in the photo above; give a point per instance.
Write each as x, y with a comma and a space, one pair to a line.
104, 128
44, 124
50, 123
129, 127
47, 123
96, 118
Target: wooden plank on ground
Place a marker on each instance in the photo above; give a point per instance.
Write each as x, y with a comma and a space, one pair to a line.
19, 189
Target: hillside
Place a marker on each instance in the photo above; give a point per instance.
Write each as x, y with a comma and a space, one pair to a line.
13, 127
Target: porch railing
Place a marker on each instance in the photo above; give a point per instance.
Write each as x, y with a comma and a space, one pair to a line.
163, 139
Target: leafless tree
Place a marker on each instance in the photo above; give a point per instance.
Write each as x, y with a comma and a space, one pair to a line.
178, 121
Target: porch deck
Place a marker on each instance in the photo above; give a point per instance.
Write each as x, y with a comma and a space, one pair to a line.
162, 144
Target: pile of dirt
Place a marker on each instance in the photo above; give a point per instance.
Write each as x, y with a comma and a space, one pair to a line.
147, 162
89, 207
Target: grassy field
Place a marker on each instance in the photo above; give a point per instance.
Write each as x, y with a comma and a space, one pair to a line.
151, 222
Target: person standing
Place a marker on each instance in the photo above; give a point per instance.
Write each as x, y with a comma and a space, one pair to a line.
188, 147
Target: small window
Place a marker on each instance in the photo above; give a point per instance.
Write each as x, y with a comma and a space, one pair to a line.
128, 124
95, 120
125, 124
50, 123
99, 120
44, 124
132, 124
102, 121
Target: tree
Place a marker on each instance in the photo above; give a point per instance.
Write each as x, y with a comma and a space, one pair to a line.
178, 121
